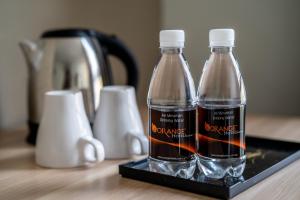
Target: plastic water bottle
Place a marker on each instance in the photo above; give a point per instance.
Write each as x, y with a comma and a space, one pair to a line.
221, 110
172, 105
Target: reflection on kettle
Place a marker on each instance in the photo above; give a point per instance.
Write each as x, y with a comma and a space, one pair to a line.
72, 59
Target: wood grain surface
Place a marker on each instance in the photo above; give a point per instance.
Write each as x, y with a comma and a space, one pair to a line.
21, 178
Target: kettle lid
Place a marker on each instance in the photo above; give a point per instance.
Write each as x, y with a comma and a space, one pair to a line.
73, 32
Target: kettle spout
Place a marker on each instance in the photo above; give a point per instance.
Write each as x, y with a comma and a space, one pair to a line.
32, 53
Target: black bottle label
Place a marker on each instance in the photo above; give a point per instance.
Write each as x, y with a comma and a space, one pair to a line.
221, 132
172, 134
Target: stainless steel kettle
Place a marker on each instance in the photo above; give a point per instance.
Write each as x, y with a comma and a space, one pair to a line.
72, 59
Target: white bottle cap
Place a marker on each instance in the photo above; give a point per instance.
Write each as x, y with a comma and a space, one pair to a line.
171, 38
221, 38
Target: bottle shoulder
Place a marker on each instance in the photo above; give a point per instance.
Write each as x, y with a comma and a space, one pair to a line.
171, 82
221, 80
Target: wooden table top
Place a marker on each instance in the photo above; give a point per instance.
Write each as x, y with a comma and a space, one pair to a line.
21, 178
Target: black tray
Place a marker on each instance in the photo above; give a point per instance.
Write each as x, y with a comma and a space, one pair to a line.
264, 158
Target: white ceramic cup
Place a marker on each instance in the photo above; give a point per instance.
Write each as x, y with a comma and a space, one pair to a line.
65, 136
118, 123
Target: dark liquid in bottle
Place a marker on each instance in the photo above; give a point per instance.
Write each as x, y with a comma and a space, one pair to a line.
172, 134
221, 132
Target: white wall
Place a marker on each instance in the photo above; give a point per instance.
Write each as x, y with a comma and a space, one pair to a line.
135, 22
268, 40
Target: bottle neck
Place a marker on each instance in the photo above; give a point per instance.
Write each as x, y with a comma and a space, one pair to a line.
171, 50
221, 50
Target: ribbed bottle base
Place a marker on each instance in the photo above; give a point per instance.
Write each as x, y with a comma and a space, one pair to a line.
178, 169
220, 168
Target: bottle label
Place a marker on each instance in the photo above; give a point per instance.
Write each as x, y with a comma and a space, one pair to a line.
221, 132
172, 134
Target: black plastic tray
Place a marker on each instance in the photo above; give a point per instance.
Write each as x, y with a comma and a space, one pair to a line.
264, 158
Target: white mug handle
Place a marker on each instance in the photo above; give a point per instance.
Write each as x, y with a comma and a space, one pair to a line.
142, 139
97, 147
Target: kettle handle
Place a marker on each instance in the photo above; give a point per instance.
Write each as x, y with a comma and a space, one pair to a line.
115, 47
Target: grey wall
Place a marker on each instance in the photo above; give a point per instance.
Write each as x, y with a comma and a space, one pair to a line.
135, 22
268, 40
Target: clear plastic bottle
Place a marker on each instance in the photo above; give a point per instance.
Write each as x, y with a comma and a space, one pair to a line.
221, 110
172, 110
